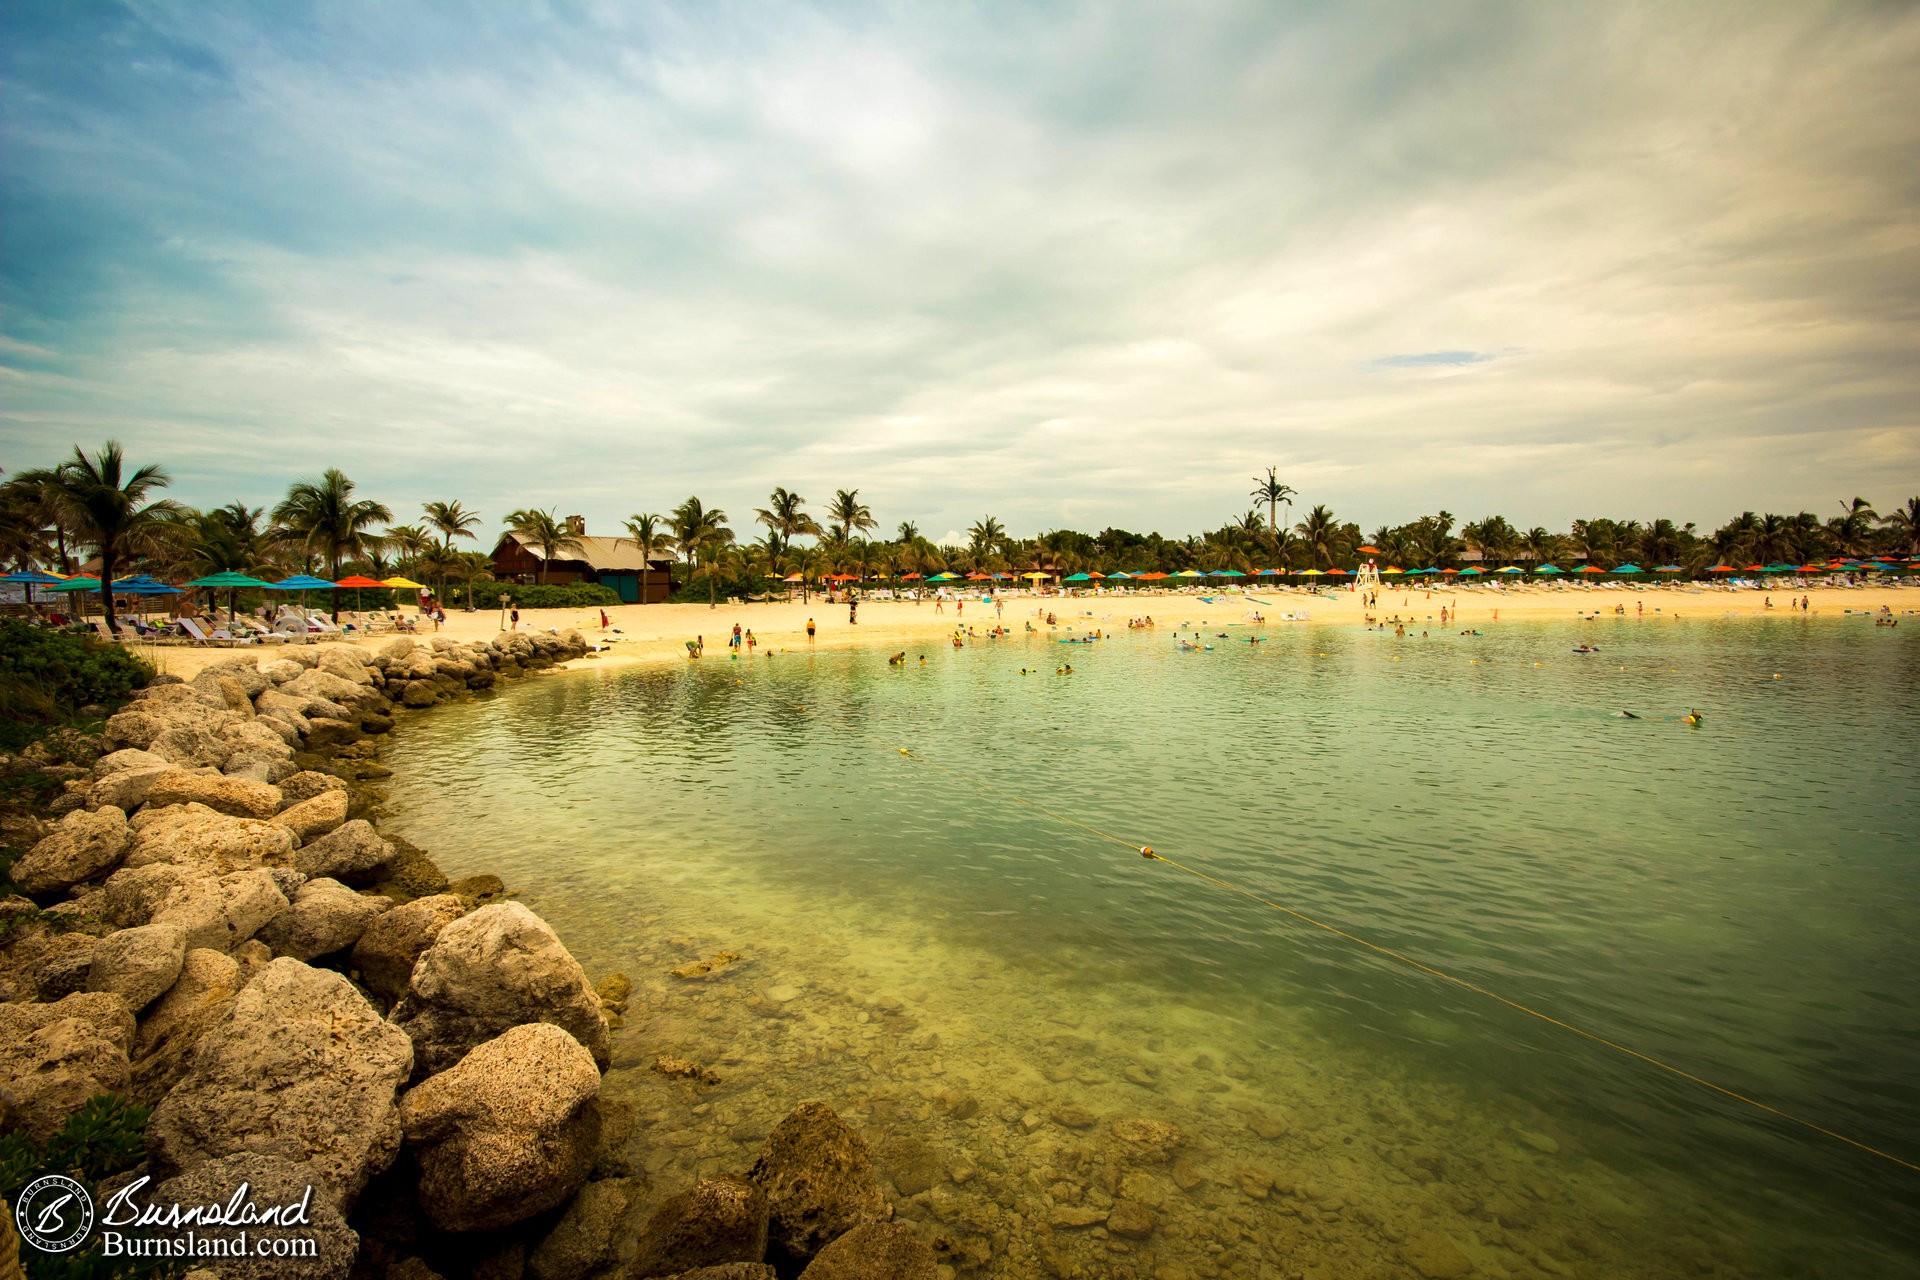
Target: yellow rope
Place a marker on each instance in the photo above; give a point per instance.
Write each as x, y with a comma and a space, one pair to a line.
1146, 851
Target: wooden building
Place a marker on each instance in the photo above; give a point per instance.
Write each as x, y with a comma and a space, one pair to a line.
611, 562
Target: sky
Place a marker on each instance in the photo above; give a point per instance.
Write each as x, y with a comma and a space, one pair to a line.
1067, 265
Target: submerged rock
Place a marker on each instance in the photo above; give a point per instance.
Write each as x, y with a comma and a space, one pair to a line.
820, 1183
708, 1225
875, 1251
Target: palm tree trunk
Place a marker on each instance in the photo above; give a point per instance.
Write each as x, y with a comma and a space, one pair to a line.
643, 577
106, 586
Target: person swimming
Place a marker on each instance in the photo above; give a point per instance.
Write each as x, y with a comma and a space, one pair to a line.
1692, 717
898, 659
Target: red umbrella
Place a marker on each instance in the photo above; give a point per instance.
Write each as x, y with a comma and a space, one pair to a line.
909, 577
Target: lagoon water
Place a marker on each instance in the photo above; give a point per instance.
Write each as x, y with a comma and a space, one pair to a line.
997, 997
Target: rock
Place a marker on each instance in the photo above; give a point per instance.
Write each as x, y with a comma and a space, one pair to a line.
194, 835
127, 760
235, 797
63, 965
478, 891
303, 1069
82, 846
138, 964
731, 1271
1148, 1140
714, 1223
332, 688
587, 1235
506, 1133
1071, 1117
348, 662
326, 731
222, 913
1540, 1142
53, 1057
126, 789
308, 785
412, 874
494, 969
820, 1183
419, 694
352, 852
272, 1181
131, 895
324, 917
875, 1251
912, 1164
199, 999
393, 942
1130, 1220
1436, 1257
311, 819
280, 671
148, 722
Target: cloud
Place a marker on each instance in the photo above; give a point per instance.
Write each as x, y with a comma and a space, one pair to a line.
1091, 266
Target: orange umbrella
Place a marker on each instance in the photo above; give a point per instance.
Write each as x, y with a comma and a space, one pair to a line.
358, 580
1372, 551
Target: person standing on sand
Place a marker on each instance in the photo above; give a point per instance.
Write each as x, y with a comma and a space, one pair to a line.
516, 619
603, 619
809, 628
939, 604
853, 612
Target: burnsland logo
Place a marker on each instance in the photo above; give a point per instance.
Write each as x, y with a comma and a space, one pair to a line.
53, 1214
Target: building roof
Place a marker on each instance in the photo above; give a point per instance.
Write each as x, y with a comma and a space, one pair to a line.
605, 555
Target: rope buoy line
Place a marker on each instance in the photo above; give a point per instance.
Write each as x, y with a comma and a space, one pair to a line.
1147, 852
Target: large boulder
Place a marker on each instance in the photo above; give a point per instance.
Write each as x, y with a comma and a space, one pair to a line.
589, 1235
194, 835
84, 845
334, 689
53, 1057
126, 789
494, 969
349, 662
394, 942
303, 1070
820, 1183
272, 1181
311, 819
875, 1251
127, 759
324, 917
236, 797
199, 999
222, 912
352, 851
307, 785
165, 708
713, 1223
508, 1132
131, 895
138, 964
257, 738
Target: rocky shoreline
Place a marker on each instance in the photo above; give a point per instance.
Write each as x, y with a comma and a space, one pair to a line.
215, 928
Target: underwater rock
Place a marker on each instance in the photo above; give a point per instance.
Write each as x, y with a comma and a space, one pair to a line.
1436, 1257
714, 1222
820, 1183
719, 962
875, 1251
681, 1069
1146, 1139
588, 1235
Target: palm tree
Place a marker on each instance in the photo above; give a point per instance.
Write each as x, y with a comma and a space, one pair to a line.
325, 519
1320, 531
410, 540
474, 566
907, 534
1540, 545
1905, 524
648, 532
542, 530
1851, 526
785, 514
986, 533
106, 508
440, 562
1275, 495
847, 511
451, 520
698, 529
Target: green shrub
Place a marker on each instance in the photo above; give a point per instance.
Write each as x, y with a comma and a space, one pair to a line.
105, 1137
47, 676
570, 595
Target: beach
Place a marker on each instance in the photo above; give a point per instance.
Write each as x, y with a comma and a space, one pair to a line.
659, 632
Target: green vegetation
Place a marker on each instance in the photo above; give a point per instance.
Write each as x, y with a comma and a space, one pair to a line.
46, 677
566, 595
105, 1137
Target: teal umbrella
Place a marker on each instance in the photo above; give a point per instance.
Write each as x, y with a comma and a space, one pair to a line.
1629, 568
1076, 577
1549, 568
232, 581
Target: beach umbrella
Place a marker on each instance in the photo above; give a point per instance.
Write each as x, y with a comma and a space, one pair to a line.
408, 583
910, 577
357, 581
31, 578
1122, 574
303, 583
232, 581
1723, 568
1471, 572
943, 577
1076, 577
1668, 568
1371, 551
1629, 568
793, 577
77, 584
1548, 568
1228, 573
977, 576
1310, 573
1393, 568
1512, 568
1447, 573
1338, 573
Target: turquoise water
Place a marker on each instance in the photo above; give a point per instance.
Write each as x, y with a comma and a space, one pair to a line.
1739, 900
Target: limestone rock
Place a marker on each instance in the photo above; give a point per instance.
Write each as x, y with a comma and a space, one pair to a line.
311, 819
349, 662
731, 1271
1146, 1139
324, 917
272, 1181
713, 1223
194, 835
1436, 1257
222, 912
303, 1069
333, 688
280, 671
820, 1184
588, 1235
198, 1000
131, 895
875, 1251
393, 942
53, 1057
508, 1132
125, 760
138, 964
84, 845
307, 785
353, 851
494, 969
236, 797
1130, 1220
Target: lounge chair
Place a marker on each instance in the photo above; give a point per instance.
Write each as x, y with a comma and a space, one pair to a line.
193, 628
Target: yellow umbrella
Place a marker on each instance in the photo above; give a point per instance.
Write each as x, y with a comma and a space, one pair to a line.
1311, 573
1036, 574
403, 582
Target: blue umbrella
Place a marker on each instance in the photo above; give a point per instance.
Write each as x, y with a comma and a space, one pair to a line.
300, 582
31, 578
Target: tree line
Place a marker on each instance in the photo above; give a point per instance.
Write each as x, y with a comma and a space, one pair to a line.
97, 505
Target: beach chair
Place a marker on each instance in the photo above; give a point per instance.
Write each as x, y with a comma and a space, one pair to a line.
193, 629
99, 626
315, 622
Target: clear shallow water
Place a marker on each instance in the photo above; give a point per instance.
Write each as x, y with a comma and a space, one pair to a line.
1739, 900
